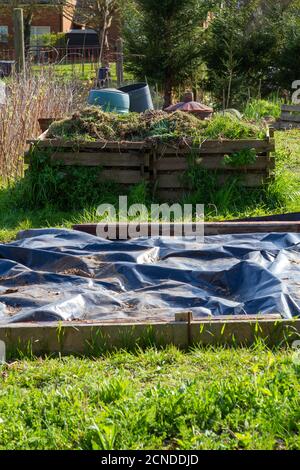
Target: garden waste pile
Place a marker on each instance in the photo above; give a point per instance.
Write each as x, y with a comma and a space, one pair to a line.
92, 124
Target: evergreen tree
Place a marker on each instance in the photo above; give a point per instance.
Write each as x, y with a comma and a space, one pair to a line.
163, 39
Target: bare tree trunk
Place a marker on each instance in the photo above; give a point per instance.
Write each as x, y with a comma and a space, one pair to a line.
101, 36
168, 91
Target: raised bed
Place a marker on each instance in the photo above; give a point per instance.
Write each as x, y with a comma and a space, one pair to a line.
163, 165
290, 117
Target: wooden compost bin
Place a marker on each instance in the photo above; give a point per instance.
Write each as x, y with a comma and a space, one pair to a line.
125, 163
163, 165
290, 117
169, 164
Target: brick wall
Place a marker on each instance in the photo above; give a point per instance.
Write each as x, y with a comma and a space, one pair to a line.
45, 16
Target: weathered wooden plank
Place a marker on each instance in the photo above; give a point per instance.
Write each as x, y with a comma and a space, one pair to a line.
171, 195
88, 338
123, 177
98, 145
286, 126
101, 159
223, 228
290, 117
249, 180
211, 162
210, 228
208, 146
290, 108
290, 217
224, 146
171, 181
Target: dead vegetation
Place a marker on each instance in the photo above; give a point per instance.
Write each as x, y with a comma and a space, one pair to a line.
93, 124
40, 95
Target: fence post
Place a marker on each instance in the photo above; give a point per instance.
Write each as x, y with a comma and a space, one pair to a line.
19, 39
120, 62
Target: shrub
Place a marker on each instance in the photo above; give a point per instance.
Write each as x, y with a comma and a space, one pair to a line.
259, 109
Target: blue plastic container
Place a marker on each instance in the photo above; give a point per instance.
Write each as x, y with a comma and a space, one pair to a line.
110, 100
140, 97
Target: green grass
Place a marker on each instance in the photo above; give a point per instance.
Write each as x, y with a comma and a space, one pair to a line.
289, 143
86, 71
259, 109
205, 399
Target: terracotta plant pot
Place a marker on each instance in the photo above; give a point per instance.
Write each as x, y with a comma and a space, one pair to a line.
45, 123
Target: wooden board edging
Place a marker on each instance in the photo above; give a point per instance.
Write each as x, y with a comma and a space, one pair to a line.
94, 339
210, 228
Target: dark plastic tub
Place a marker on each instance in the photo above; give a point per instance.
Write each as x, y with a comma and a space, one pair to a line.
140, 97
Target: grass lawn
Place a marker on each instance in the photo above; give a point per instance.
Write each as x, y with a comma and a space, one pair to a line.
205, 399
13, 219
290, 142
86, 71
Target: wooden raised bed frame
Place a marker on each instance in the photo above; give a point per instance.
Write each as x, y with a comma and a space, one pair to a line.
290, 117
163, 165
91, 339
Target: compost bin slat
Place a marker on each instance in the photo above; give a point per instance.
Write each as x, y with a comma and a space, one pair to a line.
174, 195
290, 117
249, 180
287, 125
291, 108
102, 159
77, 146
211, 162
208, 146
220, 147
123, 177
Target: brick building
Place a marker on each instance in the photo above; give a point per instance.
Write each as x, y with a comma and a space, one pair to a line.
45, 19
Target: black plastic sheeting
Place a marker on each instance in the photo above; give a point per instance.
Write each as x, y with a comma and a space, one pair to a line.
49, 275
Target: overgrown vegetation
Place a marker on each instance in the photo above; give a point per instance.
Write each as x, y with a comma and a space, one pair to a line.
206, 399
50, 184
259, 109
93, 124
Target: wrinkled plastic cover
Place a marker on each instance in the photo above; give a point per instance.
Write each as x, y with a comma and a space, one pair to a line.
48, 275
